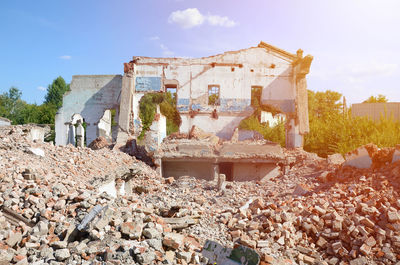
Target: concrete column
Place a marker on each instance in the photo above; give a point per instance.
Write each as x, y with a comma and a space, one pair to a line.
216, 171
158, 163
80, 134
125, 108
293, 137
71, 134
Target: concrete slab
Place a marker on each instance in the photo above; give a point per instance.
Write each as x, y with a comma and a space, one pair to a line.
335, 159
251, 149
358, 158
195, 149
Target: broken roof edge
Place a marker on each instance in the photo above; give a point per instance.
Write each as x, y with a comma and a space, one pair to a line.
262, 44
267, 46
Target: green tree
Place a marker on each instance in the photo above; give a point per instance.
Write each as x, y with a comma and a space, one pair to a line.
321, 104
11, 104
378, 99
55, 92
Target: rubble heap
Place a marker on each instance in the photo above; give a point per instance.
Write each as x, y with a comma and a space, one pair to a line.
317, 211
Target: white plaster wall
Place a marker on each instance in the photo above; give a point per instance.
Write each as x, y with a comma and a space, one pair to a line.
104, 125
223, 127
90, 96
276, 81
195, 75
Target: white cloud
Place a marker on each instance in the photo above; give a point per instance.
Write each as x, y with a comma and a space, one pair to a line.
220, 21
186, 19
154, 38
166, 51
65, 57
192, 17
42, 88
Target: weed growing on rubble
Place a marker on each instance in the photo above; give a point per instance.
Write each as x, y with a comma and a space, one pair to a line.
148, 107
333, 130
275, 134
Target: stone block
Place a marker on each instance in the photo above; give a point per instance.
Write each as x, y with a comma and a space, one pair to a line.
358, 158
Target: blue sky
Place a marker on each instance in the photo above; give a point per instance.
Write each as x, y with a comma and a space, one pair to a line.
355, 43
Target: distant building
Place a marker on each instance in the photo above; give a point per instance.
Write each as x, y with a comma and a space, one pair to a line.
376, 110
4, 122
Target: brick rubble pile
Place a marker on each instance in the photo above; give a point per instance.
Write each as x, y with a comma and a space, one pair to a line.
316, 211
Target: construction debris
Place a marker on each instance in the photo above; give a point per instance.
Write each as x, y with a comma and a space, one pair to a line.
312, 212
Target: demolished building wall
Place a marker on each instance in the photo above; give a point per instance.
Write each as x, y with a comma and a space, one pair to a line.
231, 77
213, 93
90, 97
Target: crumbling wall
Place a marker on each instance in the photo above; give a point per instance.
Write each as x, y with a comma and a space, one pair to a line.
104, 126
235, 73
90, 96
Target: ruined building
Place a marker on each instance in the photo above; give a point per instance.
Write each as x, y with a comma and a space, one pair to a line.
214, 93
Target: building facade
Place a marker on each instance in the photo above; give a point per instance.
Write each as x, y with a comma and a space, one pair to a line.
214, 93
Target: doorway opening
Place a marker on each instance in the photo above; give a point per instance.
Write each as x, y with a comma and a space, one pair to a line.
227, 169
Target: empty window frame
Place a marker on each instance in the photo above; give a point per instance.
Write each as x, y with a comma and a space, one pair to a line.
256, 96
172, 89
213, 95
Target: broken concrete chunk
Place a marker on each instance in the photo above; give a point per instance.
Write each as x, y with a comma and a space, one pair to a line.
62, 254
221, 182
217, 254
173, 240
335, 159
151, 233
14, 238
396, 155
358, 158
36, 151
300, 190
133, 230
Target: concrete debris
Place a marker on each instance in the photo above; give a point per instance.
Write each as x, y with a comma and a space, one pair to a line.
359, 158
221, 182
335, 159
312, 212
89, 217
98, 143
370, 156
36, 151
217, 254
